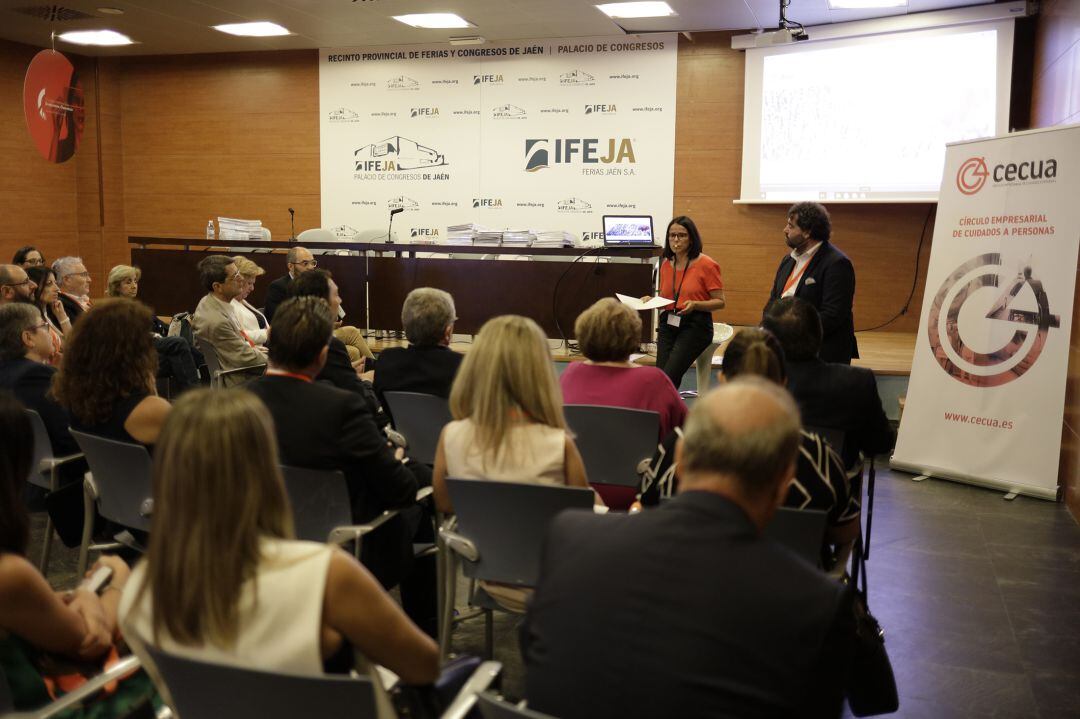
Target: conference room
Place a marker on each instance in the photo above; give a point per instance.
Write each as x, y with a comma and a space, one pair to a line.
293, 271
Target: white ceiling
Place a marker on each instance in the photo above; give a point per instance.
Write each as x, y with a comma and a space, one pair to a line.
165, 27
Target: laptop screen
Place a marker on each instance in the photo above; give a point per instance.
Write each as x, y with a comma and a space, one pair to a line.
628, 231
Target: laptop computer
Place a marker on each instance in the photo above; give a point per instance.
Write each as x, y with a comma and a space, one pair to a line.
628, 231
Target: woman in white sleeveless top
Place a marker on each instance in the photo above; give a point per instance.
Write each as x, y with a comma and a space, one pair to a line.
508, 420
224, 581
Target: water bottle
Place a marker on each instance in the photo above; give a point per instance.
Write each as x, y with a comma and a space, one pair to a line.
210, 230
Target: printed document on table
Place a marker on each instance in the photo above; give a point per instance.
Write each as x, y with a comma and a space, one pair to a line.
635, 303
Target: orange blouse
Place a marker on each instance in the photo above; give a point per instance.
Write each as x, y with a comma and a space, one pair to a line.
693, 283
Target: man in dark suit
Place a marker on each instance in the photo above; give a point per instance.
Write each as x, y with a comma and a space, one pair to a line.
297, 261
687, 610
339, 369
427, 365
74, 281
25, 346
829, 395
322, 427
822, 275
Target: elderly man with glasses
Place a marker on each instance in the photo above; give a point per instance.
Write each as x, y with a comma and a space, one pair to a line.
298, 261
15, 285
74, 283
215, 325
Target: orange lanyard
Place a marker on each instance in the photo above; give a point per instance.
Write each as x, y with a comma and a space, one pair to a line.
795, 277
283, 373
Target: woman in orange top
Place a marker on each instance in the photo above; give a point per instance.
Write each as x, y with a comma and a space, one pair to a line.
692, 279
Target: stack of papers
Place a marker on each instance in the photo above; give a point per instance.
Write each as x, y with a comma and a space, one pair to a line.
460, 234
635, 303
552, 238
487, 238
233, 230
518, 238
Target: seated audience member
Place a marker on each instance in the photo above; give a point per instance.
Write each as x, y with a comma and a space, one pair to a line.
298, 261
74, 282
322, 427
339, 370
714, 620
34, 619
27, 257
106, 379
830, 395
427, 365
239, 589
47, 299
176, 358
251, 319
214, 323
15, 285
508, 421
607, 333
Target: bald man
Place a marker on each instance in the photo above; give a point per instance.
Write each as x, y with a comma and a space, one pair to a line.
298, 261
15, 285
686, 610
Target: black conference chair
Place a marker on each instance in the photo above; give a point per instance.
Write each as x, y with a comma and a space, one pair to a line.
800, 530
493, 706
420, 418
45, 464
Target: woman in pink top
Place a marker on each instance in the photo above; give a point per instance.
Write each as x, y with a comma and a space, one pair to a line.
607, 333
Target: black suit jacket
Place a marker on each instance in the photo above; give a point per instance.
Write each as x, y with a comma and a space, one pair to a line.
682, 611
839, 396
429, 370
829, 285
276, 293
30, 381
339, 372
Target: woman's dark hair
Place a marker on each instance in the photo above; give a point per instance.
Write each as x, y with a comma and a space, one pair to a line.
695, 238
40, 276
16, 456
20, 255
755, 352
109, 356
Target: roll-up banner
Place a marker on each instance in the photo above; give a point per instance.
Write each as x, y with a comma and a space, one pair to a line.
530, 134
986, 397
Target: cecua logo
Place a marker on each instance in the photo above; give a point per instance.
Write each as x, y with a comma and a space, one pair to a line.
972, 175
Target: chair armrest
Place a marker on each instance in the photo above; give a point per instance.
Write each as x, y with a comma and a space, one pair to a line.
47, 464
223, 372
424, 492
459, 544
479, 682
340, 535
122, 668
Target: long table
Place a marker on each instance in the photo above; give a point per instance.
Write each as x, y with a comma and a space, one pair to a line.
550, 285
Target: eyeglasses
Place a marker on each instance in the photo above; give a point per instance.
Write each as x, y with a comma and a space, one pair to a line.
42, 326
35, 263
16, 284
307, 263
84, 273
678, 235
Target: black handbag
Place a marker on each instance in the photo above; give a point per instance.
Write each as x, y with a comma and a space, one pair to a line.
872, 685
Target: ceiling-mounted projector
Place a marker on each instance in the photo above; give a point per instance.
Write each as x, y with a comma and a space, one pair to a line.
782, 36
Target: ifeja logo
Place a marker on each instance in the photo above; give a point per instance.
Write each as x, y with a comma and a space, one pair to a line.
487, 79
576, 77
394, 154
424, 112
403, 203
573, 204
600, 109
508, 112
344, 232
488, 203
343, 114
542, 153
424, 233
402, 82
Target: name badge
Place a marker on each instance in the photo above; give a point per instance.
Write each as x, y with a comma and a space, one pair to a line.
673, 319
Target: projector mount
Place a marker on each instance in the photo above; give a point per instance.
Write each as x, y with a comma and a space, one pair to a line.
794, 30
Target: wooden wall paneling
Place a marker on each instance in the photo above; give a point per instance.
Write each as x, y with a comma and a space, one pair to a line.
88, 183
37, 198
221, 135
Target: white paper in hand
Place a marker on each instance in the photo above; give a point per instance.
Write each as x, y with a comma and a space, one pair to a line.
635, 303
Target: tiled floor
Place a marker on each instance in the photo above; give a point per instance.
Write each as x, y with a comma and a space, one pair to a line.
979, 598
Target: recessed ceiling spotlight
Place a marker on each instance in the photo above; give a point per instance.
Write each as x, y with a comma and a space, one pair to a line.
108, 38
110, 10
434, 20
627, 10
865, 4
253, 29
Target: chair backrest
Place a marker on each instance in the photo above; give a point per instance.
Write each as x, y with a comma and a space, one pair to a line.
43, 450
833, 436
492, 707
201, 690
613, 441
122, 473
507, 522
421, 418
319, 499
800, 530
316, 234
210, 355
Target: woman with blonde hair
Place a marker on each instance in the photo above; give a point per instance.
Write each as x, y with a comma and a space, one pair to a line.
123, 281
253, 322
239, 589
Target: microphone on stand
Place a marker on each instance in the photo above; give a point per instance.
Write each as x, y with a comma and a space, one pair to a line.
389, 238
292, 225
